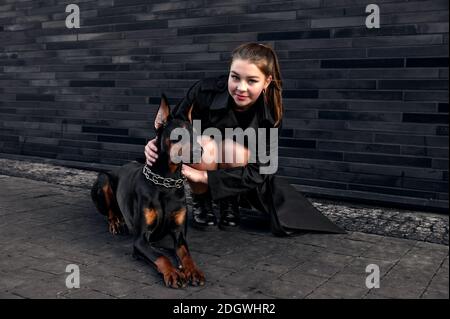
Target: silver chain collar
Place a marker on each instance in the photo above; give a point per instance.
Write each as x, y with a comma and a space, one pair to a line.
163, 181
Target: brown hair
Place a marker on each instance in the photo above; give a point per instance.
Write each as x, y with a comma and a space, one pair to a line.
265, 58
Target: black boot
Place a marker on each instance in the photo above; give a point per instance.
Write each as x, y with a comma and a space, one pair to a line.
202, 210
229, 213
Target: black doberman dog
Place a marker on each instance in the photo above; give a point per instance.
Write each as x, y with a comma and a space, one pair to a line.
152, 204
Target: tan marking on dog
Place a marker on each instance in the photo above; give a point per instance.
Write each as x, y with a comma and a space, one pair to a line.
173, 167
109, 197
179, 216
150, 215
107, 191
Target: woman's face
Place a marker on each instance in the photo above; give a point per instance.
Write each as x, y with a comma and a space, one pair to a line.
245, 83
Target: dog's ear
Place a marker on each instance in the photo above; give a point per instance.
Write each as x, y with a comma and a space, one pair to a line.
189, 114
163, 114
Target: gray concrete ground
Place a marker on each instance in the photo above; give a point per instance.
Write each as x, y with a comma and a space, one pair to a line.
48, 222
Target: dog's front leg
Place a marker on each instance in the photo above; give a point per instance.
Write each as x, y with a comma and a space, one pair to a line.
173, 277
193, 275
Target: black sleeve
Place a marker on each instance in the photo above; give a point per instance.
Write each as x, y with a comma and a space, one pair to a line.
182, 108
234, 181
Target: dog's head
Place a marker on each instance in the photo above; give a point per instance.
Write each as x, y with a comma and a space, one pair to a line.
174, 136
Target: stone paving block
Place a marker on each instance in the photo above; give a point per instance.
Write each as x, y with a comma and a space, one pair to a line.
374, 295
400, 291
9, 295
331, 258
435, 294
213, 291
16, 261
221, 245
159, 291
332, 290
399, 241
27, 205
114, 286
419, 257
247, 255
128, 263
407, 283
250, 278
215, 274
445, 264
27, 221
364, 237
431, 246
49, 288
72, 254
79, 258
336, 243
354, 274
278, 263
11, 279
439, 284
302, 286
325, 265
204, 259
75, 232
387, 251
52, 266
13, 248
53, 214
109, 270
83, 202
238, 260
43, 235
408, 277
100, 245
145, 276
313, 268
87, 294
36, 194
224, 291
300, 252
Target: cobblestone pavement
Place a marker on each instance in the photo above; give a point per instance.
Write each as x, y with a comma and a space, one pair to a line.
48, 221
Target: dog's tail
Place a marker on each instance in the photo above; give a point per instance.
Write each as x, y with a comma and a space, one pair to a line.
97, 192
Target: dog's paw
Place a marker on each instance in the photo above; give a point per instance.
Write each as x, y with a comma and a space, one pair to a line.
115, 225
174, 278
193, 275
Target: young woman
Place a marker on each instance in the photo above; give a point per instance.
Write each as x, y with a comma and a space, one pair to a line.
248, 97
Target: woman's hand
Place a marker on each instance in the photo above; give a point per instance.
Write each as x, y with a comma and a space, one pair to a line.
194, 175
151, 152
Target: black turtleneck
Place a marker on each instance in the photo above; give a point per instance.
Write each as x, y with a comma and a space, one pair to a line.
244, 117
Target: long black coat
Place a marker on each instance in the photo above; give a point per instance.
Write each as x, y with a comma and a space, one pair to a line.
287, 208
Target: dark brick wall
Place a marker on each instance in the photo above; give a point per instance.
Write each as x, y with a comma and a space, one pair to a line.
366, 109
